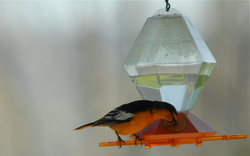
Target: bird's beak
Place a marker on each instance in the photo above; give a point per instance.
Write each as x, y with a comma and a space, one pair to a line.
174, 122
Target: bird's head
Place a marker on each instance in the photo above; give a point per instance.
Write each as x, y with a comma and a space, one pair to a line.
170, 113
173, 119
171, 116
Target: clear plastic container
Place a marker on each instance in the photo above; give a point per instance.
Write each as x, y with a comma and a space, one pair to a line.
170, 61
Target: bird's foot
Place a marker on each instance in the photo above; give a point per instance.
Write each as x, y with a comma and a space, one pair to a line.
139, 139
120, 140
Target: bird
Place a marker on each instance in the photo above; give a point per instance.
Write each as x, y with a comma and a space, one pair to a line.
131, 118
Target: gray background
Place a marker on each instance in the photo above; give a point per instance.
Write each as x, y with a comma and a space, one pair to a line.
61, 66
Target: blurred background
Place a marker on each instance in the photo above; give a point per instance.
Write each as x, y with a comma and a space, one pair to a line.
61, 66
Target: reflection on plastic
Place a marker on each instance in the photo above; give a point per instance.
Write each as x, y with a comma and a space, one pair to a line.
174, 142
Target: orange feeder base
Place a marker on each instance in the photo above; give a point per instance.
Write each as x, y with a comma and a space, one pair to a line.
189, 130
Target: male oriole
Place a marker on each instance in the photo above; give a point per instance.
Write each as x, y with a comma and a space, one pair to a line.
133, 117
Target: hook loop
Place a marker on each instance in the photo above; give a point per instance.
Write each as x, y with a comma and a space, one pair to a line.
167, 5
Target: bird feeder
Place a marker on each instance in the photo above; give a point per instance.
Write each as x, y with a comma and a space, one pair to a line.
170, 62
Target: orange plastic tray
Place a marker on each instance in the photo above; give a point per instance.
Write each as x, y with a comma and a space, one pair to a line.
174, 142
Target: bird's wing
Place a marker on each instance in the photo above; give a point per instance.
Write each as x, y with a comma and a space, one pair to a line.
114, 117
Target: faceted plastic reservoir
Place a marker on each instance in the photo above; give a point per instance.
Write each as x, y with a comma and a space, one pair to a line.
170, 61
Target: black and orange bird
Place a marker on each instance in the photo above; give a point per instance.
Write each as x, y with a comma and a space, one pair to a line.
133, 117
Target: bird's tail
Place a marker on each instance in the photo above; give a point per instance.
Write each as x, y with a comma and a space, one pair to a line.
87, 125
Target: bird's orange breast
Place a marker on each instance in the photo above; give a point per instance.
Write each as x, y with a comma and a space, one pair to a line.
140, 121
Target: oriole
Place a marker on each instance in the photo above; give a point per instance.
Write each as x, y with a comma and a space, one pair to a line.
133, 117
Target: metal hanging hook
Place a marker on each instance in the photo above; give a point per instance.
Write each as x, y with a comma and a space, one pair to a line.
167, 5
